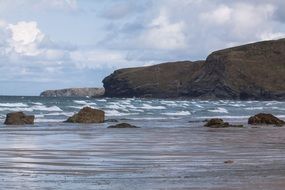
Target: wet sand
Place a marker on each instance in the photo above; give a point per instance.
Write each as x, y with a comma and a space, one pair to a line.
93, 157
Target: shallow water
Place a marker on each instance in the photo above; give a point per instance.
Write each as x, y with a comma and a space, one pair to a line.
93, 157
171, 150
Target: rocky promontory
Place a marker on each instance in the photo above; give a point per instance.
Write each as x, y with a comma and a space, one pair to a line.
74, 92
252, 71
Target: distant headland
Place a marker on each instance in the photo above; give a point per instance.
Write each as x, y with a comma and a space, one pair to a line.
74, 92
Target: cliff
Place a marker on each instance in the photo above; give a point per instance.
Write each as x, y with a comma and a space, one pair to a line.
252, 71
74, 92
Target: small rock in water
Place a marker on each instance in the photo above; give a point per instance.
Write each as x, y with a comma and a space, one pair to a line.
87, 115
19, 118
263, 118
229, 162
219, 123
123, 125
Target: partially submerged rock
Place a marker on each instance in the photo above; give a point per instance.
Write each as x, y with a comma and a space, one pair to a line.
263, 118
19, 118
219, 123
123, 125
229, 162
87, 115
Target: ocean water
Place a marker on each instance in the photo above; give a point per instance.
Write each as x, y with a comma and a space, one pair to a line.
170, 151
146, 112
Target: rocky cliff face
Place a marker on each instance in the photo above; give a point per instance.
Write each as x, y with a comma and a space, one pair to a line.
253, 71
74, 92
161, 81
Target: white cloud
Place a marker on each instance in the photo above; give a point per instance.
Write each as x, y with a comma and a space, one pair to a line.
272, 36
66, 5
164, 35
99, 59
221, 15
251, 20
2, 23
25, 37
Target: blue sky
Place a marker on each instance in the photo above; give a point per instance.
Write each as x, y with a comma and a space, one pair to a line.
50, 44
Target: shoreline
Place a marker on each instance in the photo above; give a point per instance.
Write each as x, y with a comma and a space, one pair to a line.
67, 157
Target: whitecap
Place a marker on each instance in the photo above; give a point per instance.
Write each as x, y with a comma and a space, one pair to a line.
59, 113
117, 106
198, 105
278, 108
237, 105
168, 103
37, 103
136, 110
82, 102
117, 113
150, 107
219, 110
44, 120
39, 116
272, 103
254, 108
101, 100
181, 113
15, 109
45, 108
10, 105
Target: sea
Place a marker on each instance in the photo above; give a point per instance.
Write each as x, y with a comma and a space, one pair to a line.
170, 150
146, 112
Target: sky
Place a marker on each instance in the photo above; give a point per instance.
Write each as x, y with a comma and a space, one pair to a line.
52, 44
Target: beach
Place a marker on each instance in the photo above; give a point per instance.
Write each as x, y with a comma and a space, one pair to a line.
68, 156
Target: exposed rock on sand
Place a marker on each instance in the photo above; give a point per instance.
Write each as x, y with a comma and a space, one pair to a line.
263, 118
229, 162
19, 118
253, 71
87, 115
74, 92
219, 123
123, 125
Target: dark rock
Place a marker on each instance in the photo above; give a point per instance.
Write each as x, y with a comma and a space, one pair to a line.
216, 123
74, 92
229, 162
123, 125
19, 118
263, 118
253, 71
87, 115
219, 123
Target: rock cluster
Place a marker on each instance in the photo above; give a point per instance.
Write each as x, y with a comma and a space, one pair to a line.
219, 123
87, 115
263, 118
123, 125
19, 118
